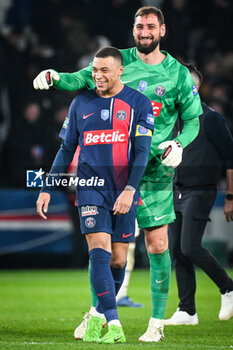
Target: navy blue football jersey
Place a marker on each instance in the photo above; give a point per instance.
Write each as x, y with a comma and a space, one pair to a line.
105, 129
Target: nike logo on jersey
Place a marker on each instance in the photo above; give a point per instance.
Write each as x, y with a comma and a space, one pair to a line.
159, 218
125, 235
126, 82
99, 294
160, 281
88, 115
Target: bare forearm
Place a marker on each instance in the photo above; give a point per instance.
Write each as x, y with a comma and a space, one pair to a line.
228, 206
229, 187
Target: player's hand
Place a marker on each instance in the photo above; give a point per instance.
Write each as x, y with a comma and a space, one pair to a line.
173, 153
228, 210
123, 202
42, 204
45, 79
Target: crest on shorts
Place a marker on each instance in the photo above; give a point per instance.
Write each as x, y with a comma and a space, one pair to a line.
90, 222
142, 86
121, 115
160, 90
104, 114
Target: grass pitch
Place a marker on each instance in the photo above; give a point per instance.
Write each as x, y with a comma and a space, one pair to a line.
41, 309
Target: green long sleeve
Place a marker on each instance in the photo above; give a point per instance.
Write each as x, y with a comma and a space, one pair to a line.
189, 132
75, 81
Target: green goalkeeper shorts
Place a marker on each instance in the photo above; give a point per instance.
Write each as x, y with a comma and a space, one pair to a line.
156, 190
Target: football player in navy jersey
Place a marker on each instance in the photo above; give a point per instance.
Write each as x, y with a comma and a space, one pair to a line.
113, 125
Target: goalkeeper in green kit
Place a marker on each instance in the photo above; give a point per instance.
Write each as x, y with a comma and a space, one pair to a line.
170, 87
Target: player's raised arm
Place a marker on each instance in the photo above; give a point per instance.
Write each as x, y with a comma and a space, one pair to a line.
69, 81
64, 81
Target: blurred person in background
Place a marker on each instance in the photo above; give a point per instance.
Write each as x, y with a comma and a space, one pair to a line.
195, 191
93, 45
178, 17
26, 145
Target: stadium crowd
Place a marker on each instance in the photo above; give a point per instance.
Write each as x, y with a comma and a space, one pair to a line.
38, 34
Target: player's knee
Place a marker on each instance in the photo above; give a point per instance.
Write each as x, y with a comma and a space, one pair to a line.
118, 262
157, 246
119, 255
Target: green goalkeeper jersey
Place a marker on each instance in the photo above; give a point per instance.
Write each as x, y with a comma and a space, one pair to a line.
168, 85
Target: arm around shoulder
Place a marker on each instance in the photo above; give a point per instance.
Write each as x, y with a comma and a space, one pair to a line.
75, 81
64, 81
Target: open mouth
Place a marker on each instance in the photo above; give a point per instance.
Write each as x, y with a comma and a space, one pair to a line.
145, 41
100, 83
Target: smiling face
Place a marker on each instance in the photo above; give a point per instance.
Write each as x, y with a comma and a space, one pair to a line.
106, 73
147, 32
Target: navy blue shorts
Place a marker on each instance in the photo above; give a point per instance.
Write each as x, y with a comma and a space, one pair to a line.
98, 219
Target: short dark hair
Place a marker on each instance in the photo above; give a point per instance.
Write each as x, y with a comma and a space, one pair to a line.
147, 10
110, 51
193, 69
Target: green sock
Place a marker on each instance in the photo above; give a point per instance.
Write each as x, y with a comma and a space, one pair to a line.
160, 270
93, 295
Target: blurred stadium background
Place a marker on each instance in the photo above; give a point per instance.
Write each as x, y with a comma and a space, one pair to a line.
64, 35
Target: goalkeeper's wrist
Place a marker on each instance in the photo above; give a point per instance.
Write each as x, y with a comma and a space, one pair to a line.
178, 140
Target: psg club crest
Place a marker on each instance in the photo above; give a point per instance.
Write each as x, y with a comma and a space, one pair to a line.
194, 89
121, 115
142, 86
160, 90
90, 222
104, 114
142, 130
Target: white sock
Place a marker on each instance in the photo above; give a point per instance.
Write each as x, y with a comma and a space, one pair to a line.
116, 322
98, 314
92, 309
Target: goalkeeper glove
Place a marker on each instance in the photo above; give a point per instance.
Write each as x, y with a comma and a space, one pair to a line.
45, 79
173, 153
